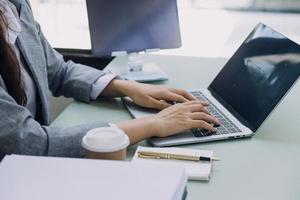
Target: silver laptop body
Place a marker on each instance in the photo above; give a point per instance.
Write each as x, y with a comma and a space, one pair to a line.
262, 71
191, 136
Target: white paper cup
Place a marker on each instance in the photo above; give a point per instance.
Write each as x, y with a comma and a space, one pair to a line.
109, 143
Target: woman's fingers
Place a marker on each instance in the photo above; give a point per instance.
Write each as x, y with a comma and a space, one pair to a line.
202, 124
205, 117
170, 96
203, 103
154, 103
183, 93
198, 107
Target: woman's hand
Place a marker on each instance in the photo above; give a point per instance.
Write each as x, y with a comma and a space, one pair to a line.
185, 116
146, 95
172, 120
155, 96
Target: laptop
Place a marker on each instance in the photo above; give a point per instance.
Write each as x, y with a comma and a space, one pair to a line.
245, 92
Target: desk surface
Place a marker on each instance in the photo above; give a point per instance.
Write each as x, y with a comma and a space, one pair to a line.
265, 166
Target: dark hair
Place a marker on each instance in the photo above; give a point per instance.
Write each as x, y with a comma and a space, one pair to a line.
10, 70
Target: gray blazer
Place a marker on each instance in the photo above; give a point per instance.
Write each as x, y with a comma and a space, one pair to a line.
20, 133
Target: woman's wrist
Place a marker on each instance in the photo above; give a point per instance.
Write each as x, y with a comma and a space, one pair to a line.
117, 88
125, 87
151, 126
139, 129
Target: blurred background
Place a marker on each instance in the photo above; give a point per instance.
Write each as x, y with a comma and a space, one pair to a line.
209, 28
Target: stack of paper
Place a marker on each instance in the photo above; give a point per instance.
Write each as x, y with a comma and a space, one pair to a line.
194, 170
44, 178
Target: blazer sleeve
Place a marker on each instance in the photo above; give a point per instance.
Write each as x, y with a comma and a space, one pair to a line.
21, 134
68, 78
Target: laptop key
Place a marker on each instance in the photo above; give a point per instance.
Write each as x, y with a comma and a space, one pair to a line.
227, 126
231, 130
216, 125
197, 132
222, 130
205, 132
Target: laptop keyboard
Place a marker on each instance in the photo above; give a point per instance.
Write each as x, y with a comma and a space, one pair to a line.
226, 127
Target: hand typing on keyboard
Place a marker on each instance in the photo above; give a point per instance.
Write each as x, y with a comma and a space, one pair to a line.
225, 126
184, 116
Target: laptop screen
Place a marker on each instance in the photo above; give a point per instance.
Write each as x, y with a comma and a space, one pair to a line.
258, 75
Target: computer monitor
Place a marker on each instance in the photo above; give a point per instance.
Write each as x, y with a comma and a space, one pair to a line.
128, 27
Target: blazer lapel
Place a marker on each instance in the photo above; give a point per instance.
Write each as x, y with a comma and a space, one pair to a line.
31, 49
32, 64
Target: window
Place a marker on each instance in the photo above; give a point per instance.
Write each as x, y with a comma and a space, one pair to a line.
209, 28
254, 5
64, 22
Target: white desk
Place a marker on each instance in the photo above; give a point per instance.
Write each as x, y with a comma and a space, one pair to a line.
263, 167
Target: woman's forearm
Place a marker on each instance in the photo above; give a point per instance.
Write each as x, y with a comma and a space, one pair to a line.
138, 129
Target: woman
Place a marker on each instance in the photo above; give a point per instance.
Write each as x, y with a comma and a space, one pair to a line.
30, 67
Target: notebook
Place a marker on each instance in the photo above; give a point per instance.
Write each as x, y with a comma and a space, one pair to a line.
194, 170
46, 178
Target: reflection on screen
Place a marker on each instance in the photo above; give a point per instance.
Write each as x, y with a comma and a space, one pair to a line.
258, 75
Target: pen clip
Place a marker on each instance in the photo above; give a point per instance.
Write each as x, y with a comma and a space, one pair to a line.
148, 156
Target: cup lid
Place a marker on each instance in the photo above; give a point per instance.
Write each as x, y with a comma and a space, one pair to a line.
105, 139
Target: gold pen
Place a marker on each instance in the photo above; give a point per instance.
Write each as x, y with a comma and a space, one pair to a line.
158, 155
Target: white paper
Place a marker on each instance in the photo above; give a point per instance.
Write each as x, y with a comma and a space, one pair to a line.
194, 170
44, 178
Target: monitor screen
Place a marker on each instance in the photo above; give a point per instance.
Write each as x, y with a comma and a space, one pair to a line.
258, 75
132, 25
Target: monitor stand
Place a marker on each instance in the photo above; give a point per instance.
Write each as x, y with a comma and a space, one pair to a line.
143, 72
